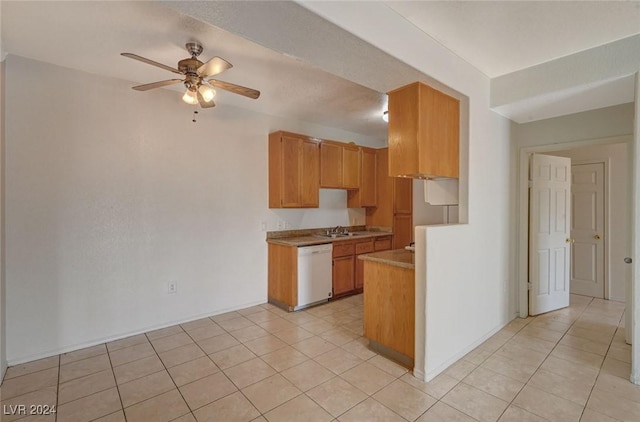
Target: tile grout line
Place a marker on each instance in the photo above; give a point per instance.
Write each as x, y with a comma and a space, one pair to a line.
543, 361
510, 403
57, 390
169, 374
602, 364
116, 382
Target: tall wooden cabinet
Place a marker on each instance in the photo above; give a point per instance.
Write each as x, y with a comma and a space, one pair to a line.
294, 162
424, 132
395, 203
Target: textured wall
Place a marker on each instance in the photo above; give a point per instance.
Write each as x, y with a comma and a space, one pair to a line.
113, 193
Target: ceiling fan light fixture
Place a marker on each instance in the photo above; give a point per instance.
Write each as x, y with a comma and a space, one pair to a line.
190, 97
207, 93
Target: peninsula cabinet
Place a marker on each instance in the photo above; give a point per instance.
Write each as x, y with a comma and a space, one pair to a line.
424, 132
339, 165
366, 195
294, 163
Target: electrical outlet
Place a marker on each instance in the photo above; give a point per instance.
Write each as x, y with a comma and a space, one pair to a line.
172, 287
280, 225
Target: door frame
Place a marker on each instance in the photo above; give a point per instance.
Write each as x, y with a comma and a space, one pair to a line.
522, 208
606, 164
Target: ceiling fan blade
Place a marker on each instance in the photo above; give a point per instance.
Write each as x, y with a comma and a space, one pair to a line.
203, 103
213, 67
151, 62
236, 89
147, 87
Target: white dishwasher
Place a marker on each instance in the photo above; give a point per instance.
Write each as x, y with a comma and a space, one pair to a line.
314, 275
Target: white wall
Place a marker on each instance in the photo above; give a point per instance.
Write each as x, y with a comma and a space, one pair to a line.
425, 214
3, 343
112, 193
617, 212
467, 284
595, 124
607, 123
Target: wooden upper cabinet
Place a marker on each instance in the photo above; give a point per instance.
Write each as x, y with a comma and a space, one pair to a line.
424, 132
366, 195
350, 167
339, 165
331, 163
294, 171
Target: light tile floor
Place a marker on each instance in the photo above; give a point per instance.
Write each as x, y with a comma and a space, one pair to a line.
264, 364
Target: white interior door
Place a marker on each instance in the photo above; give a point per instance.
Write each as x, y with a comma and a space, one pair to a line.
549, 229
587, 229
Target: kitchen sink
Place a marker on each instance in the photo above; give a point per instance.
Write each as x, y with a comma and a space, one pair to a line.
336, 235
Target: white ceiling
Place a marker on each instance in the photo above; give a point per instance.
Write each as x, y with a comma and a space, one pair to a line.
500, 37
90, 36
495, 37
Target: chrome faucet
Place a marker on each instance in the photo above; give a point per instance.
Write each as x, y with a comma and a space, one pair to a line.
336, 230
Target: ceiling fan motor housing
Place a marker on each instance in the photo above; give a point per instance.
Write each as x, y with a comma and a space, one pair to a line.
189, 66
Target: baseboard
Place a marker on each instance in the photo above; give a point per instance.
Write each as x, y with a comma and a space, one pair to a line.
441, 368
95, 342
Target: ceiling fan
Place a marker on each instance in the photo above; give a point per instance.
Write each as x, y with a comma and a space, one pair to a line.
199, 90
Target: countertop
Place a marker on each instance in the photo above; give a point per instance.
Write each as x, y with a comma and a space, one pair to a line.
309, 240
396, 257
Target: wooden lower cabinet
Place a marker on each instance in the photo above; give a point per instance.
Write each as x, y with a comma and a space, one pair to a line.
348, 270
343, 275
382, 243
283, 274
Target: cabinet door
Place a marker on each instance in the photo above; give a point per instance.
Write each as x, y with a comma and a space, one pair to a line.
350, 167
402, 195
343, 275
330, 165
291, 163
309, 174
402, 230
368, 178
359, 273
382, 243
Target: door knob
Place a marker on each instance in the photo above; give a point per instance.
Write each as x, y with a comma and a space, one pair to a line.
569, 240
596, 237
628, 260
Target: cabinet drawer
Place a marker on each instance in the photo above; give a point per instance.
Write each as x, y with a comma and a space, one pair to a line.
364, 247
342, 249
382, 244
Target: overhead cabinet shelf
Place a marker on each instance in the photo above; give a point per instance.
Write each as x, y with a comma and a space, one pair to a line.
424, 132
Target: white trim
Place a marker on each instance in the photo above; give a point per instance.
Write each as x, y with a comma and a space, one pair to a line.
633, 297
606, 162
522, 209
103, 340
440, 368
